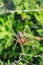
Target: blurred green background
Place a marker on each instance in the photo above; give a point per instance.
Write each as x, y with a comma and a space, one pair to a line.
10, 24
21, 4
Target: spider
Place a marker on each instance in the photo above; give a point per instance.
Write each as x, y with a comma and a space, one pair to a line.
19, 39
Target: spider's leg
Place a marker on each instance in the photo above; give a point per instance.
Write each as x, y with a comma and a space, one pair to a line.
15, 45
22, 48
24, 30
13, 40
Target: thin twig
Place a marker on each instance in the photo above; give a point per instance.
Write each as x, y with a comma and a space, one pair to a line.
12, 11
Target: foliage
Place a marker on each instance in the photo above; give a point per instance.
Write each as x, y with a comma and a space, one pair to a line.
10, 24
30, 24
22, 4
